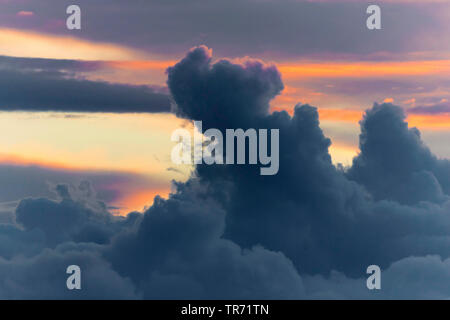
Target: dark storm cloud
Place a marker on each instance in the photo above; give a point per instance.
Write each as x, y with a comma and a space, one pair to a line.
77, 222
326, 220
308, 232
28, 84
190, 259
397, 282
244, 27
394, 163
46, 276
57, 234
84, 218
254, 85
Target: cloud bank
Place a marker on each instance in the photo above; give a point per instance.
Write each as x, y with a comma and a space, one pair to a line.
53, 85
308, 232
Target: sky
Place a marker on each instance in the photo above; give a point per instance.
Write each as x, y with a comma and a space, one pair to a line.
325, 55
86, 118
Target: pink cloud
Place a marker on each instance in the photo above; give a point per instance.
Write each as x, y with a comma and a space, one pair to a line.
25, 14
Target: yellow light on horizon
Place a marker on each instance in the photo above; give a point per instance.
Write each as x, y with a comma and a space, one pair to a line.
30, 44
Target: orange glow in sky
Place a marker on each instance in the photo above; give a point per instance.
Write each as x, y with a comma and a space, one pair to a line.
140, 143
20, 43
364, 69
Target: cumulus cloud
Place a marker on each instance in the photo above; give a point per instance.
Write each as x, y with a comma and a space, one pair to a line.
394, 163
410, 278
205, 97
43, 276
178, 251
311, 211
308, 232
109, 187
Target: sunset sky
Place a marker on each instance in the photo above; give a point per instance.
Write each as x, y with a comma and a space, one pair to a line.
93, 103
361, 119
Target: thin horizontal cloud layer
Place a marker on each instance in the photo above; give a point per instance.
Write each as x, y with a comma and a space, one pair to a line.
36, 64
394, 163
439, 108
53, 85
308, 232
275, 28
